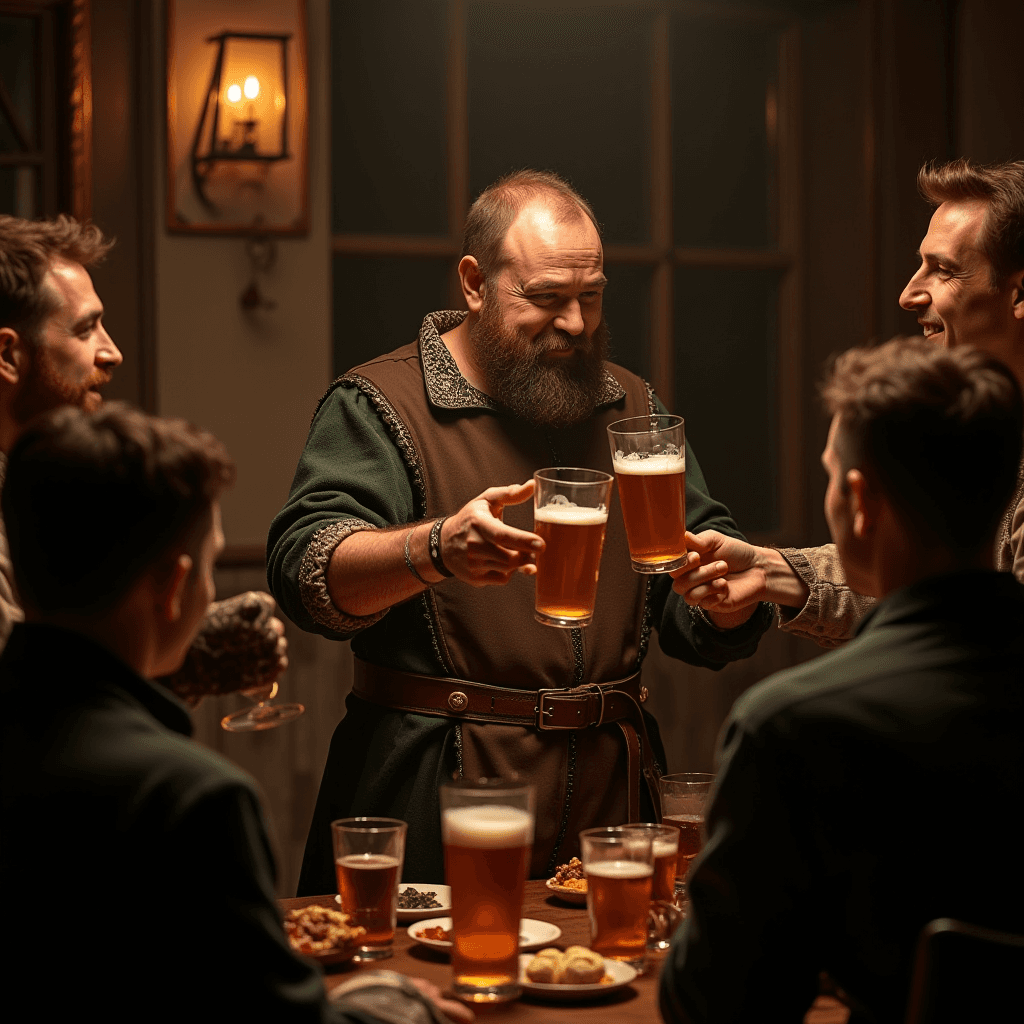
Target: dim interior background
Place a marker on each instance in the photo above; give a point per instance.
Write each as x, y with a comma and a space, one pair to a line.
752, 164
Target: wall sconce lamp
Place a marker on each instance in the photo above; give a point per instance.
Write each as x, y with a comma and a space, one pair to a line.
243, 124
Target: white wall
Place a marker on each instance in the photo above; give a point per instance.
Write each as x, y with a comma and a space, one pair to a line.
251, 379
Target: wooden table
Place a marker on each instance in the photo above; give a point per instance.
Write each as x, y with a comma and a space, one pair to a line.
636, 1003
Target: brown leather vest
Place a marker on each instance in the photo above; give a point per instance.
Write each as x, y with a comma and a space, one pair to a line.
489, 635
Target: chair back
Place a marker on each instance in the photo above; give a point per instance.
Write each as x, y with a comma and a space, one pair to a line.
966, 974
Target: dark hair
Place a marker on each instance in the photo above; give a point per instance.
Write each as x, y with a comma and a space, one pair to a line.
939, 431
1001, 188
496, 208
27, 249
92, 500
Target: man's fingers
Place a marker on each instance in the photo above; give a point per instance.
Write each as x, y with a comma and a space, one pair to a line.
514, 494
495, 532
703, 543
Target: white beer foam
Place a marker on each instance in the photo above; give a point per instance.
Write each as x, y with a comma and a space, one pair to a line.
664, 848
654, 465
490, 827
618, 869
570, 515
368, 861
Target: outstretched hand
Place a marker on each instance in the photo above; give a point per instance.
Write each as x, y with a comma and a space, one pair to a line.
480, 549
729, 581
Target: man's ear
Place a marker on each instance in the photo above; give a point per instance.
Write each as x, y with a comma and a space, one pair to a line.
14, 356
1017, 295
864, 504
472, 283
170, 591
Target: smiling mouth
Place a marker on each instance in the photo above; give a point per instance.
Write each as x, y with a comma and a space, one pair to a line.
931, 328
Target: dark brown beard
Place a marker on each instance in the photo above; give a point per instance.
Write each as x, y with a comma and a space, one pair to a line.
547, 395
45, 389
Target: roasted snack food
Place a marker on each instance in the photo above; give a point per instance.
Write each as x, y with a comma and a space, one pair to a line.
576, 966
412, 899
316, 929
437, 934
570, 876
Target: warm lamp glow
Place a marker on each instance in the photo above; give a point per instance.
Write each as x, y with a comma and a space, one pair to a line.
234, 93
252, 87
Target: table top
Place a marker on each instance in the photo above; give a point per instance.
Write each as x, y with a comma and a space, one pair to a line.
636, 1003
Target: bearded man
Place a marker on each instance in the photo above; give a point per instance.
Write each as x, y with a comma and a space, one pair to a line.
403, 533
55, 351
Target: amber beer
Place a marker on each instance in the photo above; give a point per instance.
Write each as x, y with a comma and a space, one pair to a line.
663, 883
618, 894
652, 492
368, 886
567, 568
570, 512
691, 839
486, 855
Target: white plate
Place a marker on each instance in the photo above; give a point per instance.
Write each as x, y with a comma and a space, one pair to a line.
443, 895
617, 975
532, 934
573, 896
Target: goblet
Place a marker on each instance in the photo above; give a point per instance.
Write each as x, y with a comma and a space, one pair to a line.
264, 715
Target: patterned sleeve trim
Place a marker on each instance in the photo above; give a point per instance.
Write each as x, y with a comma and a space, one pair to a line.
313, 579
833, 610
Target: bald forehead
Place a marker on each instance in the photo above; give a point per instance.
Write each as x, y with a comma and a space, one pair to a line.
552, 231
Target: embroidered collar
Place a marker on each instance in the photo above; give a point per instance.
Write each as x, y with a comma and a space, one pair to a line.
448, 389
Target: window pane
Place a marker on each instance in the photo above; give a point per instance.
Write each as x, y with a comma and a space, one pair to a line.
724, 96
17, 61
380, 302
726, 387
388, 113
627, 308
567, 90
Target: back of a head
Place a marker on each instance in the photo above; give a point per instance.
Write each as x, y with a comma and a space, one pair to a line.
93, 500
494, 210
27, 249
1001, 188
938, 431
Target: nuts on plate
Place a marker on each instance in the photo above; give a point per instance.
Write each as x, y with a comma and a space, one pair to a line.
316, 929
570, 876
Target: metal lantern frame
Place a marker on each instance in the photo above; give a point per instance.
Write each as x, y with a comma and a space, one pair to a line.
204, 162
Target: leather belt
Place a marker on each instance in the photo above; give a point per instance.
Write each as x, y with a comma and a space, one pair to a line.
579, 707
551, 708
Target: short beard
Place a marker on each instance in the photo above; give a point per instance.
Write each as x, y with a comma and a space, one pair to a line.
44, 389
555, 395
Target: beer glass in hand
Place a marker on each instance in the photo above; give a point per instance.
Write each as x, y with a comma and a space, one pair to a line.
619, 865
368, 856
683, 799
265, 714
649, 458
570, 511
664, 915
487, 829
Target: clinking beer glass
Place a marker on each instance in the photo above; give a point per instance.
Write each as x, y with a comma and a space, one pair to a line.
619, 865
487, 829
649, 459
570, 511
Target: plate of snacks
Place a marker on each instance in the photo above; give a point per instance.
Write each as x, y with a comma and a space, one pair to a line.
569, 883
437, 932
578, 973
419, 900
323, 935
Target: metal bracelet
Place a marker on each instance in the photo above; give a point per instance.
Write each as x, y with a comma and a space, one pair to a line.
434, 546
408, 559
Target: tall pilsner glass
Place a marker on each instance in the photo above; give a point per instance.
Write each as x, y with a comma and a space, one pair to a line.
487, 828
683, 799
570, 511
649, 459
619, 865
368, 855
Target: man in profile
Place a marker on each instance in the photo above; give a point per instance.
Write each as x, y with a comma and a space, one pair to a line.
968, 290
870, 791
54, 351
137, 874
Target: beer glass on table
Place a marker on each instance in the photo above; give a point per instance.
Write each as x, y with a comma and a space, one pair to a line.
664, 914
683, 799
570, 511
619, 865
368, 856
487, 830
649, 459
